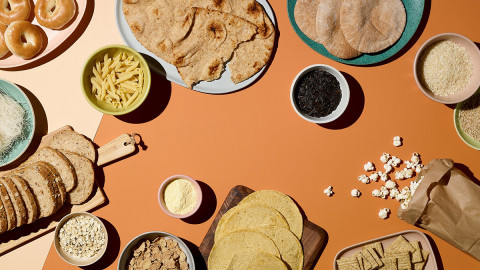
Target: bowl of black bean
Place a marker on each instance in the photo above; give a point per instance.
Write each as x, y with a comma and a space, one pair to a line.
319, 94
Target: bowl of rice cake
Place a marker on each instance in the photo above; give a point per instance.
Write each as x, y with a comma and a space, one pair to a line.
115, 79
17, 122
447, 68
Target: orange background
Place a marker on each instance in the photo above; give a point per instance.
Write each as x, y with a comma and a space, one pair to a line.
254, 138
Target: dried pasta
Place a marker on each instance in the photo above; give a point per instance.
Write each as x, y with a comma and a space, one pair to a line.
117, 80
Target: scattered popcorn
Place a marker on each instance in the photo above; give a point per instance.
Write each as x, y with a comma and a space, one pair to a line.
393, 193
414, 185
397, 141
385, 192
408, 173
355, 193
404, 205
400, 175
385, 157
390, 184
418, 168
369, 166
388, 168
364, 179
376, 193
374, 177
383, 176
395, 161
409, 164
383, 214
404, 194
328, 191
415, 158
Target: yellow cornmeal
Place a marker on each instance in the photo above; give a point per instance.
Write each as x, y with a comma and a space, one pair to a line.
180, 197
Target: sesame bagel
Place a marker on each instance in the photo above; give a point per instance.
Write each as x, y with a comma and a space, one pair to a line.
54, 14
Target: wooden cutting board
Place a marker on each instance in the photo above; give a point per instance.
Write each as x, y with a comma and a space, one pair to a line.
314, 238
117, 148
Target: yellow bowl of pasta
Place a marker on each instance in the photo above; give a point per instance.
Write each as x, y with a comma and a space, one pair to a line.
115, 79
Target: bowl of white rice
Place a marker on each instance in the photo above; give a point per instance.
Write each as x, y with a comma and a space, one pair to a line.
17, 122
447, 68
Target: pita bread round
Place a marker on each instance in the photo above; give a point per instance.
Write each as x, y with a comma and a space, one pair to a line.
225, 249
305, 12
330, 32
280, 202
255, 260
372, 25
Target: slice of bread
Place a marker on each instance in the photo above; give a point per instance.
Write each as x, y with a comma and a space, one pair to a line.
16, 199
28, 198
3, 218
60, 162
71, 141
42, 182
85, 178
58, 181
8, 205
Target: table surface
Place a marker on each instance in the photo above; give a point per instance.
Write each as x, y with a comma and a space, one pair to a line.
254, 138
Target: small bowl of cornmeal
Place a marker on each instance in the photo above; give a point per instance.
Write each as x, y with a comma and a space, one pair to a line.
180, 196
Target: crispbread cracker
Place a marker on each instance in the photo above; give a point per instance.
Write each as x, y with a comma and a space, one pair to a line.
375, 256
403, 259
372, 25
389, 264
349, 263
377, 246
400, 244
329, 31
193, 55
305, 12
419, 265
369, 258
417, 254
359, 258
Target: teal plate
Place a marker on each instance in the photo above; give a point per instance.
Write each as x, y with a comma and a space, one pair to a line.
20, 145
461, 133
414, 10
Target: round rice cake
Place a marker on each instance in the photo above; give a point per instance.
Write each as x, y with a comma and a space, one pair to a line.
255, 260
248, 216
280, 202
329, 31
287, 243
304, 13
372, 25
225, 249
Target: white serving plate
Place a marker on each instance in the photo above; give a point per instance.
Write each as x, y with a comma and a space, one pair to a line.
220, 86
410, 235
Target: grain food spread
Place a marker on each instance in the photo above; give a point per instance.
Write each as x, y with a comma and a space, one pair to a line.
82, 237
180, 196
161, 253
469, 116
445, 68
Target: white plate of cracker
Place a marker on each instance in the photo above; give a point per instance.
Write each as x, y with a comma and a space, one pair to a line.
403, 250
216, 48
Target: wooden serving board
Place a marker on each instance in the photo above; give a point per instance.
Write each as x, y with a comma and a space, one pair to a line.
12, 239
314, 238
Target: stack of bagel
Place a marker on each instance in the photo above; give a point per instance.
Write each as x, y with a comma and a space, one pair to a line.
60, 172
24, 39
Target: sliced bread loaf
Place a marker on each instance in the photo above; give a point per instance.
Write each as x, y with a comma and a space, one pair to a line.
74, 142
16, 199
3, 218
85, 178
59, 161
27, 196
58, 181
8, 205
41, 182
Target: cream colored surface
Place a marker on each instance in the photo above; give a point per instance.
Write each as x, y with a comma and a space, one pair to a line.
56, 84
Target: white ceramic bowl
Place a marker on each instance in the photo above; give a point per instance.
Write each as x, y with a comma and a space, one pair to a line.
343, 86
72, 259
128, 250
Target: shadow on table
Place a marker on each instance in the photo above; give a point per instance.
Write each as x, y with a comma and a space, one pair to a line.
354, 108
157, 99
207, 208
113, 248
67, 43
436, 253
200, 263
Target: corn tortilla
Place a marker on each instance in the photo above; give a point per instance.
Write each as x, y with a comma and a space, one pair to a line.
287, 243
255, 260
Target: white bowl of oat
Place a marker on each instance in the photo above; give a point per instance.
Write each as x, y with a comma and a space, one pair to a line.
156, 250
447, 68
81, 239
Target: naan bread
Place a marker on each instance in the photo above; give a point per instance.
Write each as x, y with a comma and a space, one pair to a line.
214, 35
158, 24
372, 25
305, 12
330, 32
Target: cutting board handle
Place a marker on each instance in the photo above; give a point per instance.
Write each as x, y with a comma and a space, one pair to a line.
122, 146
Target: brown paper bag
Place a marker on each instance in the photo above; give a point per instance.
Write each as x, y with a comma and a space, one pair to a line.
447, 203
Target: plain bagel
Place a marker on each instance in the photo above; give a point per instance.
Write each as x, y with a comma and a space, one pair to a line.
3, 46
54, 14
14, 10
23, 39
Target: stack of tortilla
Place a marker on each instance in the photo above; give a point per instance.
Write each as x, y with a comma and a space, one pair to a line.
262, 232
200, 36
348, 28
